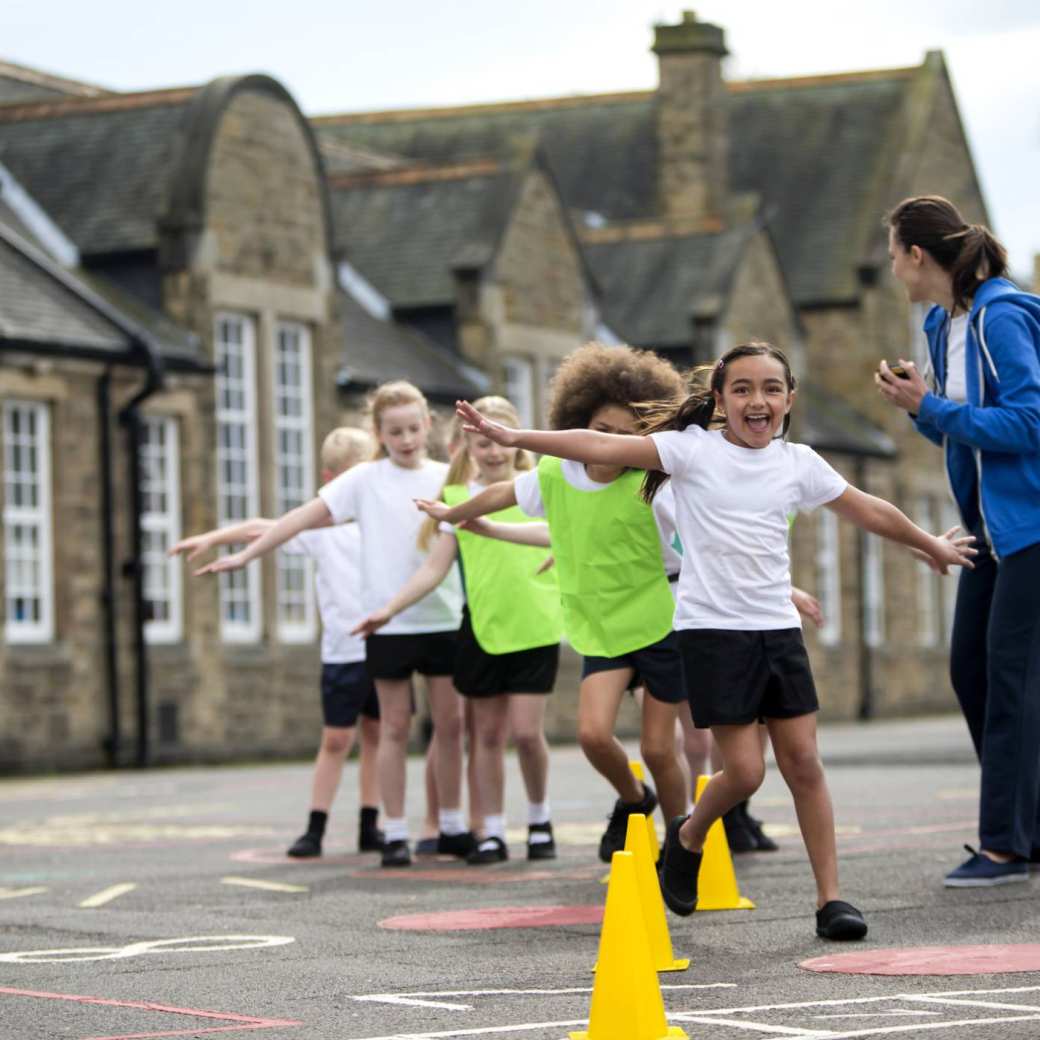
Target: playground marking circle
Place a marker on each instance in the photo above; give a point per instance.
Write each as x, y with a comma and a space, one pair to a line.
990, 959
495, 917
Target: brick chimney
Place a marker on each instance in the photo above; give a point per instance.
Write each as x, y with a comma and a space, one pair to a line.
692, 120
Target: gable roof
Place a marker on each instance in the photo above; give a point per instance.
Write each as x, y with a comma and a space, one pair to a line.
810, 147
408, 230
21, 82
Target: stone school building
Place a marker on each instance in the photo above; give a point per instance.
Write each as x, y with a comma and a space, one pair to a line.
196, 284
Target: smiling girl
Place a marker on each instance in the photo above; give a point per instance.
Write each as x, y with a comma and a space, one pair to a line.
739, 634
379, 495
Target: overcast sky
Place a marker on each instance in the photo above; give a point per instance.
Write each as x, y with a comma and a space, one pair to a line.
353, 55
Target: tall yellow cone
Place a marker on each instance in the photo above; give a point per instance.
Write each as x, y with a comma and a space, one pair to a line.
638, 844
717, 882
626, 999
636, 768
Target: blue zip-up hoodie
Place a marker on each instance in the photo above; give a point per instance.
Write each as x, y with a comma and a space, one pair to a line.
992, 441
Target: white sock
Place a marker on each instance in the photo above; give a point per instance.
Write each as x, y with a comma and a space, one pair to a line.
495, 826
537, 812
451, 821
395, 829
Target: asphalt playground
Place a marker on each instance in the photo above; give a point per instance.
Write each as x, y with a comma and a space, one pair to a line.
155, 904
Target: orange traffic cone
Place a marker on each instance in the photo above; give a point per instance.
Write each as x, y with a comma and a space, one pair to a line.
717, 882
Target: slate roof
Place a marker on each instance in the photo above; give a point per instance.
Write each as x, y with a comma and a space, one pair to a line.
375, 351
810, 148
406, 231
653, 288
20, 83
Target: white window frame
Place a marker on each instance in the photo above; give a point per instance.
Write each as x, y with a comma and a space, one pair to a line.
238, 588
37, 517
293, 629
927, 588
160, 459
828, 575
518, 374
873, 591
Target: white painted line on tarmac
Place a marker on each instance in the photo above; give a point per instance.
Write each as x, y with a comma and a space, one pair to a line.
106, 895
268, 886
992, 1004
17, 893
931, 1026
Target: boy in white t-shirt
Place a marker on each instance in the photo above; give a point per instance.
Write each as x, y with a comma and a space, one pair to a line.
347, 693
739, 634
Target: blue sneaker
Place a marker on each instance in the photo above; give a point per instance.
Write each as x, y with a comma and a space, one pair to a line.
981, 872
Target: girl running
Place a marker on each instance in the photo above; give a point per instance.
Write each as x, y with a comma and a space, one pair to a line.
508, 649
736, 478
378, 495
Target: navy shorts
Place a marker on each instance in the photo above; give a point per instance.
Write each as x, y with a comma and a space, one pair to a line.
346, 692
480, 674
734, 678
657, 667
400, 656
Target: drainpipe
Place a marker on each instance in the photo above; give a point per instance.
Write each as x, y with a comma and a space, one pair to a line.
866, 657
130, 417
109, 603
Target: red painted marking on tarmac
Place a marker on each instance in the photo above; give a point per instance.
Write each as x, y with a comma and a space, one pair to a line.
477, 875
241, 1021
932, 960
495, 917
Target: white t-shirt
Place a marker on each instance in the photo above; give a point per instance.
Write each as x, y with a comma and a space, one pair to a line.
732, 505
380, 496
529, 498
336, 552
956, 361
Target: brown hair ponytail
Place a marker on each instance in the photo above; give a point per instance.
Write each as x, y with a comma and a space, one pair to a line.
698, 407
969, 253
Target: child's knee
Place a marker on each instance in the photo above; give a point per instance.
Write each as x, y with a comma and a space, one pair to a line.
746, 776
527, 741
594, 738
658, 754
800, 767
336, 741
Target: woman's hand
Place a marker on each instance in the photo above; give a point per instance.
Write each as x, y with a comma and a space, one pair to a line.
808, 606
193, 546
375, 621
965, 543
903, 393
474, 422
433, 507
234, 562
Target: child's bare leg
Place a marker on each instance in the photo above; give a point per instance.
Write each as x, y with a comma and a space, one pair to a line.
742, 771
429, 826
368, 764
696, 743
395, 717
336, 743
487, 751
599, 698
446, 711
794, 744
473, 786
657, 746
527, 727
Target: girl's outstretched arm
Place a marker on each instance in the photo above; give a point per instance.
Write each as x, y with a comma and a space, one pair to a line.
536, 534
432, 571
590, 446
882, 518
490, 500
311, 514
234, 534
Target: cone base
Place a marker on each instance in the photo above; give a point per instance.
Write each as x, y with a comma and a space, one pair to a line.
740, 904
679, 964
673, 1031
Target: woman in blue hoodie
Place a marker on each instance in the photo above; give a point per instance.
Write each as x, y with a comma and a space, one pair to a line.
984, 410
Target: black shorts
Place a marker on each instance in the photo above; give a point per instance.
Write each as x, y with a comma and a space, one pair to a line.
480, 674
657, 667
398, 657
346, 692
733, 678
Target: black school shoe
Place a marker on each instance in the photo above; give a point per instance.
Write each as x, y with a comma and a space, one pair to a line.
460, 845
840, 921
542, 848
739, 835
306, 846
678, 871
489, 850
396, 854
613, 839
763, 843
370, 839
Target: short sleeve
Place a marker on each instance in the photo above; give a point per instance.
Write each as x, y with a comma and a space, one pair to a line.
445, 528
819, 482
528, 493
675, 448
341, 494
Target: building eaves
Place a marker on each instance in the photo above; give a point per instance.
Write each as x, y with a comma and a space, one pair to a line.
36, 79
830, 423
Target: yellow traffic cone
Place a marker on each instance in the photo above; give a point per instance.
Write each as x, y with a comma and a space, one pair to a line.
626, 999
655, 847
717, 883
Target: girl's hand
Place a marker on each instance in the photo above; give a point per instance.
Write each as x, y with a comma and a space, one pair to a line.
193, 546
375, 621
478, 525
234, 562
431, 507
950, 552
965, 543
474, 422
903, 393
808, 606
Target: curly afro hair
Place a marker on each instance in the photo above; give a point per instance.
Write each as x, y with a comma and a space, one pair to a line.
595, 376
